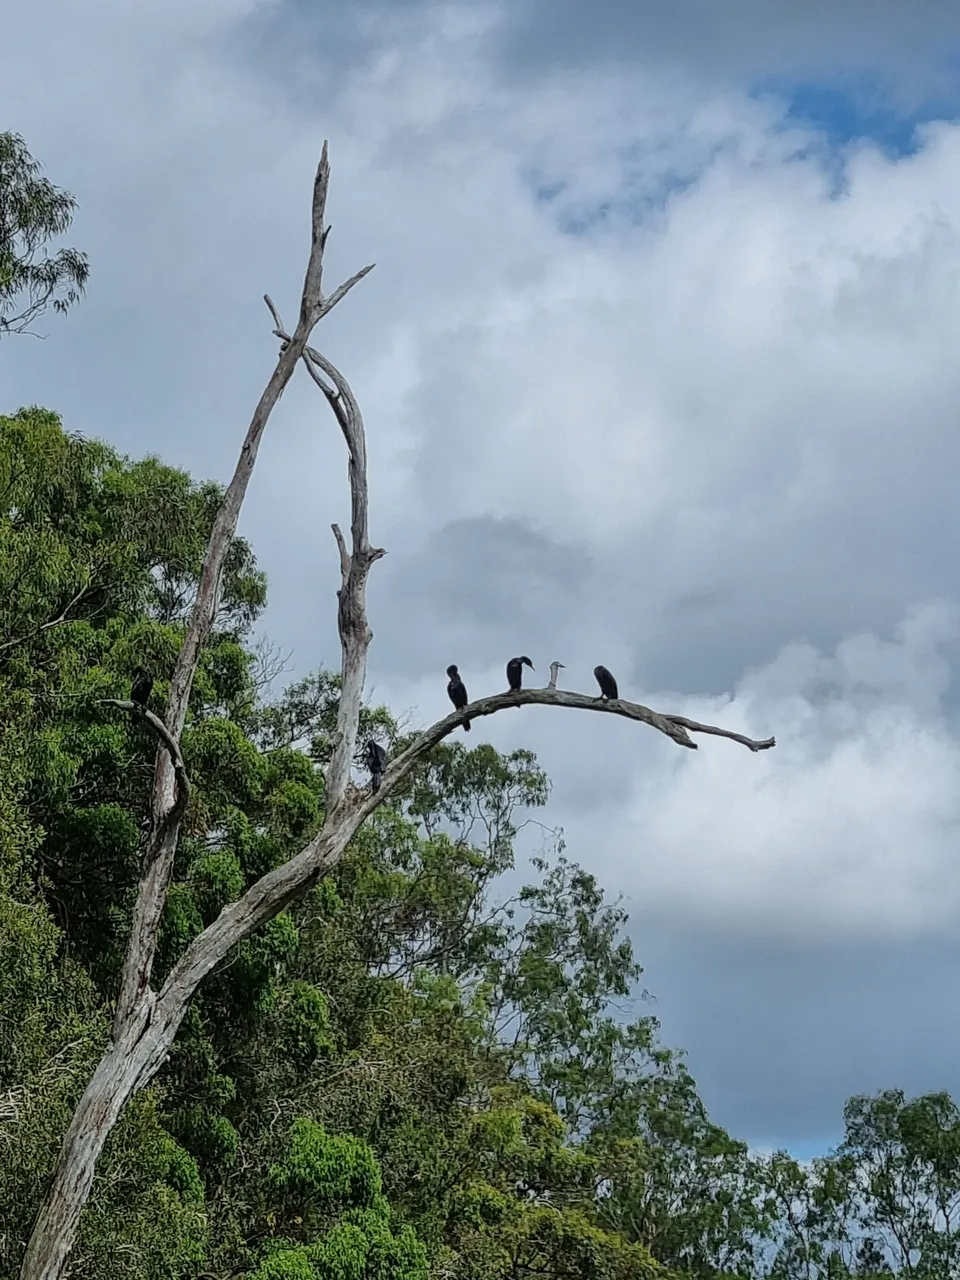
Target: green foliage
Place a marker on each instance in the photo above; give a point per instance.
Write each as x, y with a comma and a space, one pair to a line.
146, 1217
215, 879
886, 1203
303, 1023
33, 212
210, 1137
226, 765
329, 1189
402, 1076
153, 1221
98, 563
362, 1249
85, 530
338, 1170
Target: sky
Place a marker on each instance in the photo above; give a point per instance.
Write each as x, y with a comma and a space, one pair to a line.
659, 369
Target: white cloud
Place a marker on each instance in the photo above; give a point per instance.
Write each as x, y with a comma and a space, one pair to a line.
849, 828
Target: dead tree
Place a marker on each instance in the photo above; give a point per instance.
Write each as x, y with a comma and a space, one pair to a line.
145, 1020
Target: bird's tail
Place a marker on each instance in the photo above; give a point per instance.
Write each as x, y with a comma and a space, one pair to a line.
466, 726
375, 782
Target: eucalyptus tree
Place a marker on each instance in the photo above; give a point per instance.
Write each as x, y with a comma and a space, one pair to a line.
32, 213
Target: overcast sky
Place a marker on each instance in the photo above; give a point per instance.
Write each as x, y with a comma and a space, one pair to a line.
660, 364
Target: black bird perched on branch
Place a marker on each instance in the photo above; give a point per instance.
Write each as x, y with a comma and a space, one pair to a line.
141, 689
376, 761
515, 672
457, 692
608, 686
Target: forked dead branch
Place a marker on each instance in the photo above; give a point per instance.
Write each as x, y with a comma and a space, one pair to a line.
146, 1021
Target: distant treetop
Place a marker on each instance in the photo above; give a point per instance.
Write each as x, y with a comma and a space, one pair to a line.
32, 212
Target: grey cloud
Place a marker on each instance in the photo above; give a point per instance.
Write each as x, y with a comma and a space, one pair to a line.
479, 589
311, 49
779, 1035
746, 38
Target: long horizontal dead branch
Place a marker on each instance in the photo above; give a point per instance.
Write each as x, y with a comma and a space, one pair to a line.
675, 727
278, 888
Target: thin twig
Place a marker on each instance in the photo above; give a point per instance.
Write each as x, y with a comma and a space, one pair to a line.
45, 626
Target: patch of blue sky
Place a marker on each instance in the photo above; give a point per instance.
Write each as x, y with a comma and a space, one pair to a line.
858, 109
838, 113
810, 1148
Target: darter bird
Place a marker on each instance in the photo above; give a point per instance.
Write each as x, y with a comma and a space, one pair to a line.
141, 689
376, 761
608, 686
457, 692
515, 672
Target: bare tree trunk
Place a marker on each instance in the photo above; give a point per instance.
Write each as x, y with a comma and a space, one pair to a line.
130, 1061
146, 1023
116, 1079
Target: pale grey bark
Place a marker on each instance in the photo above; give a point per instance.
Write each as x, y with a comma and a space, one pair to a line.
139, 1040
355, 633
146, 1022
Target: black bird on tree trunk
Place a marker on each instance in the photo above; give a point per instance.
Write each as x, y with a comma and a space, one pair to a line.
141, 689
376, 761
608, 686
457, 692
515, 672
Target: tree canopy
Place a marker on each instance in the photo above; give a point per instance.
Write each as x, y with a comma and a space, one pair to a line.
32, 213
408, 1074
